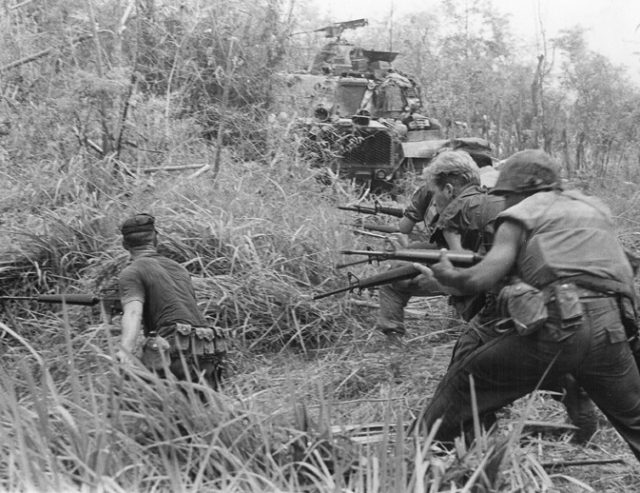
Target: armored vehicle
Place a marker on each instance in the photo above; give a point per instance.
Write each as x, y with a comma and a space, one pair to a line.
361, 118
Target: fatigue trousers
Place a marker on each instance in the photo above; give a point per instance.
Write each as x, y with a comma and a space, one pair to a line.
510, 366
394, 297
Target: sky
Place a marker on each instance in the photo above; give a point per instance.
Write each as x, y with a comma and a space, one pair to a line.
613, 26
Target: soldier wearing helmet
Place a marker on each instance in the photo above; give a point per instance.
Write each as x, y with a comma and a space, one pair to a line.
571, 310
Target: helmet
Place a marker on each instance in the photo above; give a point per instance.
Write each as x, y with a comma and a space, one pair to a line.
479, 149
527, 171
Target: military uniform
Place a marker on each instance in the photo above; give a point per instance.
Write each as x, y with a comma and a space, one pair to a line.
572, 257
419, 208
471, 215
178, 338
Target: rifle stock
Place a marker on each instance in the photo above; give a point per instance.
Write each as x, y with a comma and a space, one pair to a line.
427, 257
392, 275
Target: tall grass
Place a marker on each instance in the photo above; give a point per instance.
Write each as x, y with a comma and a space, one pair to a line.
259, 241
72, 420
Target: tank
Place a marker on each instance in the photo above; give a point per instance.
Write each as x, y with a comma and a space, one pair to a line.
361, 118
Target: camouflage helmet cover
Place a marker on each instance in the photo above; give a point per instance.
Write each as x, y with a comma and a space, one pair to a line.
527, 171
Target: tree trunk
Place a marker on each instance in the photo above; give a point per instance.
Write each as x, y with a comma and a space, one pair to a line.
580, 151
536, 103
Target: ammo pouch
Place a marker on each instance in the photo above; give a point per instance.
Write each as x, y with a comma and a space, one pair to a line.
194, 341
523, 306
156, 353
628, 316
567, 305
468, 306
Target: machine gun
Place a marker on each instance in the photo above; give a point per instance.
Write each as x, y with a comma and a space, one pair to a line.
336, 29
376, 209
109, 305
399, 273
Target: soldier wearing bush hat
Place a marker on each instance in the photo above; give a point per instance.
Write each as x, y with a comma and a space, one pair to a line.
563, 248
158, 298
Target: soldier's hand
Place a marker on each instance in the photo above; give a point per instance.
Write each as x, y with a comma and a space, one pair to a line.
124, 357
424, 270
397, 241
441, 270
444, 267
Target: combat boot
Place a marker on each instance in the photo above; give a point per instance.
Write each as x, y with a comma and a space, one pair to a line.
580, 408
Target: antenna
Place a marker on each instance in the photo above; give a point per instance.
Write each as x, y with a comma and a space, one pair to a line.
390, 25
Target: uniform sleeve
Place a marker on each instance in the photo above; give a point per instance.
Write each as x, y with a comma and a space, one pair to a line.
420, 202
131, 286
454, 218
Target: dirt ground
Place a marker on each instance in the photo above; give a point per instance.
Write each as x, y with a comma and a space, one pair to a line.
363, 379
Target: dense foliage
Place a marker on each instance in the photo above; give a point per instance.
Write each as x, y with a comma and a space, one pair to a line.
109, 108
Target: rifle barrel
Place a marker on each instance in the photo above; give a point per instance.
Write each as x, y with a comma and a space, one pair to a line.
369, 233
357, 262
389, 276
69, 299
364, 209
331, 293
358, 208
420, 256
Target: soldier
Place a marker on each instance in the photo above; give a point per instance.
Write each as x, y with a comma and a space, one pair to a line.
480, 151
157, 292
465, 223
420, 208
572, 311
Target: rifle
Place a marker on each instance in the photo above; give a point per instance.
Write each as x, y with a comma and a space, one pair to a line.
392, 275
109, 305
419, 256
357, 262
377, 208
369, 233
381, 228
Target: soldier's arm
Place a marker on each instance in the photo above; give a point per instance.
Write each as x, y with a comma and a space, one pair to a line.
453, 239
406, 225
493, 268
416, 210
132, 296
131, 324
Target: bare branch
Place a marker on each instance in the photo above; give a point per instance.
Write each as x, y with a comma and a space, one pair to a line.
20, 5
40, 54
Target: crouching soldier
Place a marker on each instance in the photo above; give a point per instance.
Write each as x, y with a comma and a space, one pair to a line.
157, 294
563, 247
